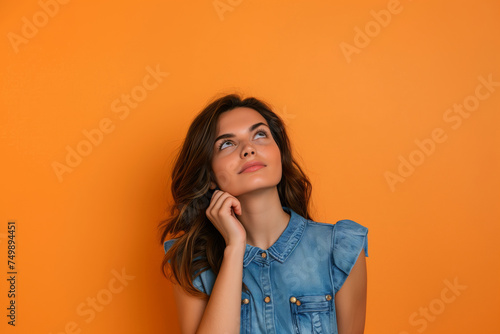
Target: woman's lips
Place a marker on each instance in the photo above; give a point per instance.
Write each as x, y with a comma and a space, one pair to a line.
251, 164
252, 168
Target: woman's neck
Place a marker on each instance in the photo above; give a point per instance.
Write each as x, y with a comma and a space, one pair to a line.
263, 217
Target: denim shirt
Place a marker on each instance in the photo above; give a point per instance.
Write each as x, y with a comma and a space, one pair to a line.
292, 284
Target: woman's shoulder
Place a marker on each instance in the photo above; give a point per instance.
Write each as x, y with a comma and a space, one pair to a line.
205, 280
168, 244
345, 238
349, 240
341, 226
350, 235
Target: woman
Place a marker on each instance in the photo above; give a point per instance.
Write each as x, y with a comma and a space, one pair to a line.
248, 258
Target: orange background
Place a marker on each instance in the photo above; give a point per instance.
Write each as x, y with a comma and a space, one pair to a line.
351, 118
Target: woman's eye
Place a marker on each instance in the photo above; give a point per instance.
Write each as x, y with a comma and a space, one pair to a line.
221, 144
263, 132
228, 141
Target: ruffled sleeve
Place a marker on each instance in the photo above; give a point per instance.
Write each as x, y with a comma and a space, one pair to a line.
203, 282
349, 239
167, 244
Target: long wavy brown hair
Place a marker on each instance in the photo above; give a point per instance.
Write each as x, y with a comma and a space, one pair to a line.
200, 246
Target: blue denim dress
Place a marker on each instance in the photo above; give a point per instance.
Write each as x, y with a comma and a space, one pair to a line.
292, 284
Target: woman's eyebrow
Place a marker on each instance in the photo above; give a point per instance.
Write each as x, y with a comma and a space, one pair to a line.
230, 135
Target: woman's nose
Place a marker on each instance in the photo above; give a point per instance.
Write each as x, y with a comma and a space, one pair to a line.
248, 150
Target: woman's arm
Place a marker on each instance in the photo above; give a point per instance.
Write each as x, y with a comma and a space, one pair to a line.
222, 312
350, 300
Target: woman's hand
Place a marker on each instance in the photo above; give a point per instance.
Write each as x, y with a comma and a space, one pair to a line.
221, 212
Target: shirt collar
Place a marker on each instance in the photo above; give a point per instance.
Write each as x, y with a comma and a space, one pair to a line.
286, 242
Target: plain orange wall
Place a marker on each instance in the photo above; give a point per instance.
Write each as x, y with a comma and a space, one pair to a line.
361, 93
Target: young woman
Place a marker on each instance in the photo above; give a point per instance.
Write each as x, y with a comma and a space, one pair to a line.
245, 254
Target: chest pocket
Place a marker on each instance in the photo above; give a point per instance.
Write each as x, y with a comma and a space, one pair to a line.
312, 314
245, 322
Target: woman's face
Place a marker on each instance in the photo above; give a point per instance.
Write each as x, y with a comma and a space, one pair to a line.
244, 141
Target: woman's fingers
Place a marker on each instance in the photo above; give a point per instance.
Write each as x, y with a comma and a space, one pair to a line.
221, 212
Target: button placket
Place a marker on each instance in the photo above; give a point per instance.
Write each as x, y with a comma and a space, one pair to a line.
268, 297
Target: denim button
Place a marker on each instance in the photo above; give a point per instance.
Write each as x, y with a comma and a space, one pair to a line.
298, 303
264, 255
245, 301
328, 297
267, 299
293, 300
